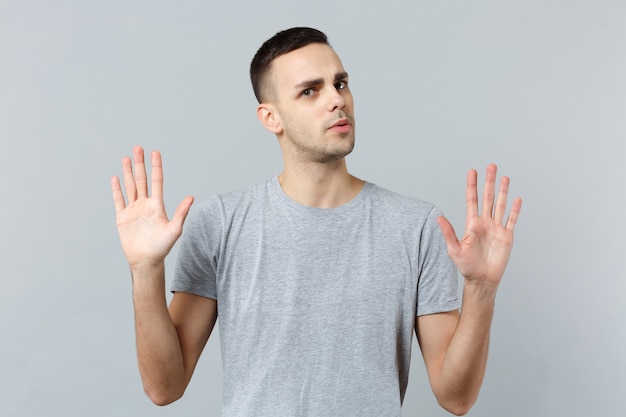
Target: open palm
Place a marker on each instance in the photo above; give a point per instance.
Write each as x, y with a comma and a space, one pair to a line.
483, 252
146, 233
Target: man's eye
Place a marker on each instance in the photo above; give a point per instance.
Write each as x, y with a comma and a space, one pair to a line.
308, 92
341, 85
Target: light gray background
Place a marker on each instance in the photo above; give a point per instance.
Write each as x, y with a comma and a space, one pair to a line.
440, 87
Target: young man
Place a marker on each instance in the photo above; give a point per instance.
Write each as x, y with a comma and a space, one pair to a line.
320, 278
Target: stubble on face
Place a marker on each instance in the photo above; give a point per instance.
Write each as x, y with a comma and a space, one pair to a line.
311, 143
307, 122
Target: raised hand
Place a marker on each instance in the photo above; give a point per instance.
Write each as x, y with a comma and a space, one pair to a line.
146, 233
482, 254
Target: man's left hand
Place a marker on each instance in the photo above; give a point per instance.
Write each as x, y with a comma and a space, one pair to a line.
482, 254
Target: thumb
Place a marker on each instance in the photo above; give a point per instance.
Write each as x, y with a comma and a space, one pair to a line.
449, 234
181, 212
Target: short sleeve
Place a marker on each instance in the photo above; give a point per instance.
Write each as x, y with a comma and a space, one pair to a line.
196, 266
438, 281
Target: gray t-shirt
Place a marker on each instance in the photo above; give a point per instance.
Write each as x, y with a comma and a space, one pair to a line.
316, 306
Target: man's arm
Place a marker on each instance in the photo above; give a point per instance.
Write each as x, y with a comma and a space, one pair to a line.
169, 343
455, 346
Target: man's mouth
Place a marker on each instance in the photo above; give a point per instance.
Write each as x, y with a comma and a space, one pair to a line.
341, 123
341, 126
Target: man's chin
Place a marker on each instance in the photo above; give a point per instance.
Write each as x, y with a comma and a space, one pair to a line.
338, 152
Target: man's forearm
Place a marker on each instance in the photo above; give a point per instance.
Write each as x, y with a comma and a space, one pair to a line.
158, 347
465, 361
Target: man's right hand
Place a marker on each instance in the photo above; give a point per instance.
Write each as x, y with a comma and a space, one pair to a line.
146, 233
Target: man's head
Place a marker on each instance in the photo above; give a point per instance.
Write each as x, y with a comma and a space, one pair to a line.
279, 44
304, 97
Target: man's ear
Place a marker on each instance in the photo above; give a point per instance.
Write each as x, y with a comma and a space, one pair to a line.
268, 115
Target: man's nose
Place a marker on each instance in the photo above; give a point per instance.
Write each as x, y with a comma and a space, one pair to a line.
335, 100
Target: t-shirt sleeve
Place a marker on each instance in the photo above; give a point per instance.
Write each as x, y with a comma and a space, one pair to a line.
196, 266
438, 281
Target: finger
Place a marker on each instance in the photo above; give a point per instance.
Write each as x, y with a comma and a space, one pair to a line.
471, 194
118, 197
181, 213
514, 214
452, 243
141, 181
129, 180
157, 175
489, 191
501, 201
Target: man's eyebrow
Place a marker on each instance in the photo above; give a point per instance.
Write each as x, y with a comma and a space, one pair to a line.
340, 76
309, 83
317, 81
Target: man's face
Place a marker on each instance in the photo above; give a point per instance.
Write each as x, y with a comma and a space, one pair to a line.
315, 108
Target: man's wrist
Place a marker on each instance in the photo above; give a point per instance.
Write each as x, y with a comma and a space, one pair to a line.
146, 266
148, 272
480, 291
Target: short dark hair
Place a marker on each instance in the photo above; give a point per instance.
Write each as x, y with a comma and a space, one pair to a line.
283, 42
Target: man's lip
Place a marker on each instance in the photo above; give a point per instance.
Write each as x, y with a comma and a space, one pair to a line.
341, 122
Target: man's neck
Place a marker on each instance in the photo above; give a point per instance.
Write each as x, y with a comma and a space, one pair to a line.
320, 185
